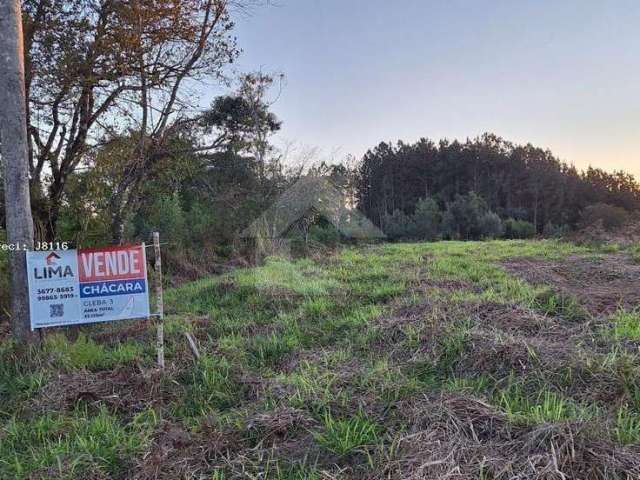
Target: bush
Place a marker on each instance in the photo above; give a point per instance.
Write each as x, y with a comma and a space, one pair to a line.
491, 225
609, 216
427, 219
468, 218
201, 221
552, 230
520, 229
164, 215
398, 225
324, 233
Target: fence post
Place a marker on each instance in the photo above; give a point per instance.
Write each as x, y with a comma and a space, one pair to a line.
159, 302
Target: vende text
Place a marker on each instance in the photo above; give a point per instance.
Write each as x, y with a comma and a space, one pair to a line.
117, 264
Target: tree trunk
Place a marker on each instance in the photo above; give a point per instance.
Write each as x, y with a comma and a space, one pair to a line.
13, 132
55, 203
117, 221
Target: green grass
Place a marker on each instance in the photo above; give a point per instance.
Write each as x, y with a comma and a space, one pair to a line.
19, 382
453, 346
474, 385
347, 436
281, 276
71, 447
544, 407
627, 427
322, 338
271, 349
634, 251
549, 302
85, 353
210, 388
626, 325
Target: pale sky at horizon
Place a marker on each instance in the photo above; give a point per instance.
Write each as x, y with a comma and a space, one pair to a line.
561, 75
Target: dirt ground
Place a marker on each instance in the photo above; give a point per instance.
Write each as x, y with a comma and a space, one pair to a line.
601, 284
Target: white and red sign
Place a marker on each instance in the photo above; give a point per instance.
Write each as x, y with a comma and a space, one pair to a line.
70, 287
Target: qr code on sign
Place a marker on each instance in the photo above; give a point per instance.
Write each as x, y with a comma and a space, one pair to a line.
57, 310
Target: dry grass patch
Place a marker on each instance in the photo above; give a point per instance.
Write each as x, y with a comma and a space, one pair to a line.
601, 283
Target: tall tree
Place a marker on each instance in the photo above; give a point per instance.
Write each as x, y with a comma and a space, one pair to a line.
523, 182
235, 124
99, 68
13, 135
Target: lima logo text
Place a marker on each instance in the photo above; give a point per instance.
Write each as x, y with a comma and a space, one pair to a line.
52, 269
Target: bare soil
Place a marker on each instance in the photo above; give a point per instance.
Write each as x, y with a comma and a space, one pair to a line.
601, 284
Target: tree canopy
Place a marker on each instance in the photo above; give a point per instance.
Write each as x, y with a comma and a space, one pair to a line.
521, 182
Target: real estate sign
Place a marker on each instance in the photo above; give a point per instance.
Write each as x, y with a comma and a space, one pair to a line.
70, 287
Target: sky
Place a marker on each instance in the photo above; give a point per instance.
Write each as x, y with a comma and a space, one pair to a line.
561, 75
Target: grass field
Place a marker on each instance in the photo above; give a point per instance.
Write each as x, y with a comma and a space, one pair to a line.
488, 360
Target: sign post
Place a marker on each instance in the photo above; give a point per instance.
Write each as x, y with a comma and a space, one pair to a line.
71, 287
159, 302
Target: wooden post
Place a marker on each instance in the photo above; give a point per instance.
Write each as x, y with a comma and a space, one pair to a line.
192, 345
159, 303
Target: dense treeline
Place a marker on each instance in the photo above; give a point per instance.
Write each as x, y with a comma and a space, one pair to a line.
518, 182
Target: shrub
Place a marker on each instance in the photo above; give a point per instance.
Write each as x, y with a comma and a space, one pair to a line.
200, 219
552, 230
399, 225
609, 216
427, 219
491, 225
520, 229
165, 215
324, 233
468, 217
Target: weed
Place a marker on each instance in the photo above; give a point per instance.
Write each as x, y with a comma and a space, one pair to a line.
71, 446
314, 387
452, 348
269, 350
86, 353
627, 427
412, 336
474, 385
389, 383
211, 386
626, 325
558, 304
343, 437
546, 406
